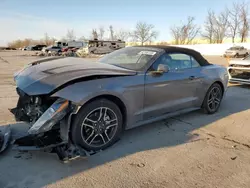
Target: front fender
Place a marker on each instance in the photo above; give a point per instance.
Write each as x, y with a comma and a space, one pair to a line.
129, 90
82, 92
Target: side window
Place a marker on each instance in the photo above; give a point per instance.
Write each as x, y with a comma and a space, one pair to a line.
176, 61
194, 63
181, 61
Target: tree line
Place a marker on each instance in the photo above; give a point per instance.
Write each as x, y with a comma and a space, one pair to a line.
231, 23
142, 33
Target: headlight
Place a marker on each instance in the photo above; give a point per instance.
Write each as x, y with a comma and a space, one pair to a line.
50, 117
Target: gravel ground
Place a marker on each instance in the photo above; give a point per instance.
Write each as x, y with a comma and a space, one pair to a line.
192, 150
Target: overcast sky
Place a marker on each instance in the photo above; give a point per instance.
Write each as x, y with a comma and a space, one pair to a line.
31, 18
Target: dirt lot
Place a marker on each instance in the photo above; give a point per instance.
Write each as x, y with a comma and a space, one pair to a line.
194, 150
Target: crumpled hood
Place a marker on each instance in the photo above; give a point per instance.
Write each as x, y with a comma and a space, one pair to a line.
43, 76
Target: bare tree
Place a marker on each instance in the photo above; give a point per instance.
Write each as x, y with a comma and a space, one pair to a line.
101, 33
221, 26
63, 39
209, 27
186, 32
70, 35
176, 34
94, 34
46, 39
111, 30
82, 38
52, 40
122, 35
234, 21
244, 28
144, 32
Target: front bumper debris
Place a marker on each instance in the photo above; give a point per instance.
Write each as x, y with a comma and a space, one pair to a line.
56, 141
5, 136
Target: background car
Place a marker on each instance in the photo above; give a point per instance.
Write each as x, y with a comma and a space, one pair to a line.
50, 49
236, 51
28, 48
38, 47
92, 103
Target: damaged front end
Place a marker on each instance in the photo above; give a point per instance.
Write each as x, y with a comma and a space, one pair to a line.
239, 73
50, 120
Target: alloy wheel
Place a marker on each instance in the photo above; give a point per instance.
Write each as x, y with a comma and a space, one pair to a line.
99, 127
214, 98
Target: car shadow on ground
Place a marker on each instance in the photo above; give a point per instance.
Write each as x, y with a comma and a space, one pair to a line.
37, 169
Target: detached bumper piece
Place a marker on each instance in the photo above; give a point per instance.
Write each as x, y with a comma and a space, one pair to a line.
50, 142
5, 136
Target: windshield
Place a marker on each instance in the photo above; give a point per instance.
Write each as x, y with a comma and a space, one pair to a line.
134, 58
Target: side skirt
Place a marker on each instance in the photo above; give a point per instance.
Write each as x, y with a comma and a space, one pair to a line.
165, 116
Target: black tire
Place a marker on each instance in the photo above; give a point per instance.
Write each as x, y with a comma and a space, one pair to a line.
80, 133
207, 104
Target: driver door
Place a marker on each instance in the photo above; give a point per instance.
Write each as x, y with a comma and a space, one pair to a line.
173, 90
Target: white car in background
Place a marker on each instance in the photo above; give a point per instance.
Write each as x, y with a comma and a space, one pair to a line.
236, 51
239, 71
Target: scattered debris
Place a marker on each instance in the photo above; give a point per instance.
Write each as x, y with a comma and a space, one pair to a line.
236, 142
233, 158
180, 120
140, 165
168, 125
209, 134
5, 61
17, 156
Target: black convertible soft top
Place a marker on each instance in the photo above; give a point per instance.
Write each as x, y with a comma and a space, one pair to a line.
174, 49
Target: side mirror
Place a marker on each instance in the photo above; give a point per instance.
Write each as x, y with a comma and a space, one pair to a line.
160, 70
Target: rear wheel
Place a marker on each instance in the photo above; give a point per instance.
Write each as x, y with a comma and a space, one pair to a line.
98, 125
213, 99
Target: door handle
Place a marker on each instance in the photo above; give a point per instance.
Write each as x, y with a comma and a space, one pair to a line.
192, 77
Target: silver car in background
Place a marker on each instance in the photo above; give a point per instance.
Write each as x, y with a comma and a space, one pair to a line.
73, 101
236, 51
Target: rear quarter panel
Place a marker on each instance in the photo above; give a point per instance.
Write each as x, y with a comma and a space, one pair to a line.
212, 74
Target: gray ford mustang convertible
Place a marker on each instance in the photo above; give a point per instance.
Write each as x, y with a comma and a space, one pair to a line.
75, 102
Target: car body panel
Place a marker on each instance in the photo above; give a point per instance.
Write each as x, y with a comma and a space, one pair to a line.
239, 71
170, 92
74, 79
45, 77
129, 89
143, 96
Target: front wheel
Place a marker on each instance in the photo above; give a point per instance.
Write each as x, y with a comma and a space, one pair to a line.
98, 125
213, 99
